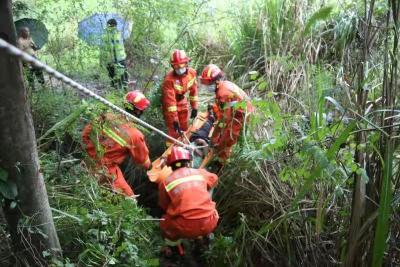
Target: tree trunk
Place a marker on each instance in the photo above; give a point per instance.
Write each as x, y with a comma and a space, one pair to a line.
355, 247
30, 223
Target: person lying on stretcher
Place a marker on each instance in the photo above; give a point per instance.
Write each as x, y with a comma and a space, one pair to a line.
198, 134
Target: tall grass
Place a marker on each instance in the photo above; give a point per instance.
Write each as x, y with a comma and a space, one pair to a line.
388, 144
290, 205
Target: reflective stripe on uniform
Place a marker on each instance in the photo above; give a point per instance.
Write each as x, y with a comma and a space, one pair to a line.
112, 47
172, 108
221, 124
191, 82
209, 72
114, 136
138, 98
178, 87
179, 181
194, 98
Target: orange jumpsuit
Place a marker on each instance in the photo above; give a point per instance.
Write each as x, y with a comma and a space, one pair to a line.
116, 141
174, 102
190, 211
231, 106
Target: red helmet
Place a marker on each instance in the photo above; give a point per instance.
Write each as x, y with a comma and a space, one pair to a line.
177, 153
137, 99
210, 74
179, 57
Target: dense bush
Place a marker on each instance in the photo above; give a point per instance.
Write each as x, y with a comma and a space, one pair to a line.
95, 226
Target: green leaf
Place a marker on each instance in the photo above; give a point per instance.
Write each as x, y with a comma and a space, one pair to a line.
339, 141
152, 262
3, 175
8, 190
62, 125
13, 205
46, 253
253, 75
386, 195
322, 14
335, 103
354, 168
262, 85
112, 261
363, 173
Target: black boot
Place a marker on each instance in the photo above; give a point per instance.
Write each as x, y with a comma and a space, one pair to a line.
171, 256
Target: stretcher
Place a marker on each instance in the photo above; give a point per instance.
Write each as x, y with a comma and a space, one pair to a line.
200, 157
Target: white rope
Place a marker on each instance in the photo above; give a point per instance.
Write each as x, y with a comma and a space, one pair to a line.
12, 50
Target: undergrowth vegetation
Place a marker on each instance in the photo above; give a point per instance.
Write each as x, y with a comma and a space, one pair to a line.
96, 226
285, 198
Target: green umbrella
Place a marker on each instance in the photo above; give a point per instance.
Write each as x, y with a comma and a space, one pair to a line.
39, 32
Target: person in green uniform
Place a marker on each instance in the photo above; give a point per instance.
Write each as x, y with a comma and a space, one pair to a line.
113, 56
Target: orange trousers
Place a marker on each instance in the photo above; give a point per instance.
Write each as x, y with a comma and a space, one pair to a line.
175, 228
225, 139
117, 180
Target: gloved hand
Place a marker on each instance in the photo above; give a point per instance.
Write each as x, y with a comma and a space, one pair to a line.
177, 128
193, 114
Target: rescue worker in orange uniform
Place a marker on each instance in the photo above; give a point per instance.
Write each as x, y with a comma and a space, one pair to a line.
232, 107
176, 84
112, 139
184, 196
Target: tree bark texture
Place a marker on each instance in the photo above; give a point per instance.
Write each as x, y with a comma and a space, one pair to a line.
354, 246
30, 223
